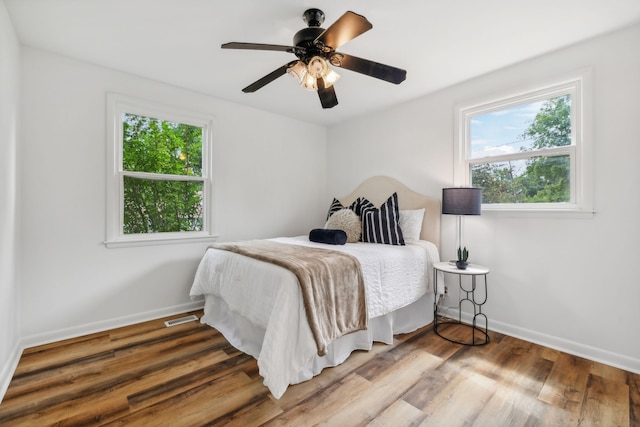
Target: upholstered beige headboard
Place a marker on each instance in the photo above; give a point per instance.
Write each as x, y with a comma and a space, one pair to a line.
378, 189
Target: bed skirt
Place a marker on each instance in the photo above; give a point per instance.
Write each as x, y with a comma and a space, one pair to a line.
248, 338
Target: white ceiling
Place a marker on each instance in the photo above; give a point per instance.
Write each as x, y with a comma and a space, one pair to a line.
438, 42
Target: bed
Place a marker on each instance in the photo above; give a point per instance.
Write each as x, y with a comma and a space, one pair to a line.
258, 306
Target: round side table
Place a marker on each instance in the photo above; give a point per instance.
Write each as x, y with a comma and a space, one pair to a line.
472, 295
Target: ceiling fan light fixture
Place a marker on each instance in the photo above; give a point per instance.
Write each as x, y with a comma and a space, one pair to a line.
308, 74
319, 68
298, 70
330, 77
309, 82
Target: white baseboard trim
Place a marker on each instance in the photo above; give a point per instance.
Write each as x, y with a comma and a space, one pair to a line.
91, 328
577, 349
6, 374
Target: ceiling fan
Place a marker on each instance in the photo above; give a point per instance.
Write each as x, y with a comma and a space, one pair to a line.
315, 48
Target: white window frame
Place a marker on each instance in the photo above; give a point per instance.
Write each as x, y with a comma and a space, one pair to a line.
578, 85
117, 105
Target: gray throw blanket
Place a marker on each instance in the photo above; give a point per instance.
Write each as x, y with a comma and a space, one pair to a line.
331, 282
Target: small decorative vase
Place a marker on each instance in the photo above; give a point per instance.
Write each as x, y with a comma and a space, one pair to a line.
462, 265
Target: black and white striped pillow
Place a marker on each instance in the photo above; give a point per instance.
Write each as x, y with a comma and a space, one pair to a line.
355, 206
382, 225
334, 207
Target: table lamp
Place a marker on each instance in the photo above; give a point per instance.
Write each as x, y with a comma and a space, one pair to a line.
461, 201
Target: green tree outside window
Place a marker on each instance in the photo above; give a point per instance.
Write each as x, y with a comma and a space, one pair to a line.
538, 179
158, 154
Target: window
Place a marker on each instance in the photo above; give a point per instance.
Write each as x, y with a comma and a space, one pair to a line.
528, 152
159, 185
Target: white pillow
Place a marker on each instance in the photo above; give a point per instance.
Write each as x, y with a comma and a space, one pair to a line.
411, 223
348, 221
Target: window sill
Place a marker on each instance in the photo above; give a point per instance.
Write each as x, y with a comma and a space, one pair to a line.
548, 213
127, 242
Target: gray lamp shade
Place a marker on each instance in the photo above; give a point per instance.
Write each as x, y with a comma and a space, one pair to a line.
462, 201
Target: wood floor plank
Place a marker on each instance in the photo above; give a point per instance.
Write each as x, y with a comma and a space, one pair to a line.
42, 380
606, 400
95, 412
399, 413
608, 372
333, 399
633, 381
70, 351
426, 389
132, 342
567, 383
436, 345
459, 402
65, 342
222, 395
163, 385
521, 372
522, 377
327, 377
495, 360
388, 386
256, 413
512, 408
101, 406
546, 415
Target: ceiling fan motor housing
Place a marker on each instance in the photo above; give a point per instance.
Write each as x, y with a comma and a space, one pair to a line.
305, 37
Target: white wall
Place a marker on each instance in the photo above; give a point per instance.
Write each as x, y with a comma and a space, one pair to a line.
566, 283
9, 198
270, 179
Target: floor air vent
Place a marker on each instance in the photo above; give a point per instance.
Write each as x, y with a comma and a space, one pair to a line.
180, 321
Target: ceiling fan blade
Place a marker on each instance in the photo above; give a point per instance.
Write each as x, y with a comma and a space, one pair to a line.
347, 27
268, 78
370, 68
327, 95
261, 46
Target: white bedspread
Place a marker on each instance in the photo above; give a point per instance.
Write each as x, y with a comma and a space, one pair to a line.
269, 297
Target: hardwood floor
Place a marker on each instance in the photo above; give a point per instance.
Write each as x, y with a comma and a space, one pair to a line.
186, 375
